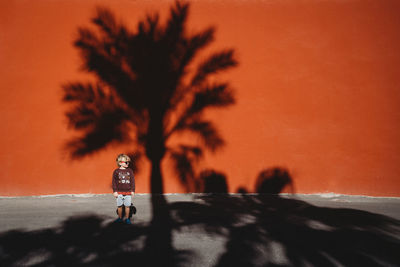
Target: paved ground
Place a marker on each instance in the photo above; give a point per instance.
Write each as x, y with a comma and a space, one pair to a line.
214, 230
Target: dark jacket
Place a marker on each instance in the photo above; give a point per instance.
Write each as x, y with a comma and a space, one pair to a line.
123, 181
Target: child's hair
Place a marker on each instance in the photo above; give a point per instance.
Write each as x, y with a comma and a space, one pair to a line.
122, 157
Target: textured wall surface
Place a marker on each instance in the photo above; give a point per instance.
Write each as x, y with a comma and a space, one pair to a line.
317, 89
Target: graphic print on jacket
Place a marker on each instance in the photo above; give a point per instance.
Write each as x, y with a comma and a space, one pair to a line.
124, 178
123, 181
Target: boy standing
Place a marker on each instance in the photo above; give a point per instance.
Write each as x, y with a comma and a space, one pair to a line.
123, 184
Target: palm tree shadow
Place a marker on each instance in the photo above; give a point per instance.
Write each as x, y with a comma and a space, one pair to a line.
147, 91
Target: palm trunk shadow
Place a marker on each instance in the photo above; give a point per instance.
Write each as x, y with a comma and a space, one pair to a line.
159, 238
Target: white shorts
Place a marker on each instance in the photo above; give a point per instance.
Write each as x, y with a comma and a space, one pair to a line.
124, 200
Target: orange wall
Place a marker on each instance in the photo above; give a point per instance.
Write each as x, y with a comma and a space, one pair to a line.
317, 89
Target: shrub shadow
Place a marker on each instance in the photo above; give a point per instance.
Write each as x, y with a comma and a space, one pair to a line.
268, 230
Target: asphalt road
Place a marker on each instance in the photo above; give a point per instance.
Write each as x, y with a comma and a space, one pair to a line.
204, 230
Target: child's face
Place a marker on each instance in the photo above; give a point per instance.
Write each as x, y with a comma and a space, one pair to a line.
123, 163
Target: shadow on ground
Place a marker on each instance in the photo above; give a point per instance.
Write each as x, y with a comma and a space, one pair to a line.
260, 230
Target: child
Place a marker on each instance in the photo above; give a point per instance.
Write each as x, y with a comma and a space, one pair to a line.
123, 184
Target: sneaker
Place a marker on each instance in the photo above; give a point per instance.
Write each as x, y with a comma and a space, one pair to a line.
127, 221
119, 220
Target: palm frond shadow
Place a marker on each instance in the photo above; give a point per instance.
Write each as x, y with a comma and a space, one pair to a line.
84, 241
